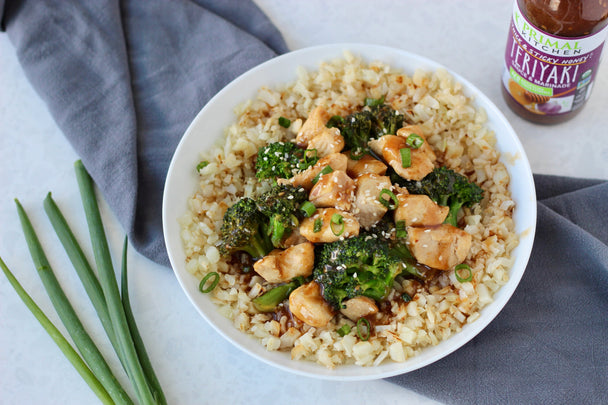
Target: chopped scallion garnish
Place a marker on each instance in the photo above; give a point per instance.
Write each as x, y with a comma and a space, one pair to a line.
308, 209
463, 273
344, 330
373, 102
216, 279
406, 297
337, 224
318, 224
387, 201
284, 122
201, 165
400, 230
326, 170
363, 329
414, 141
406, 157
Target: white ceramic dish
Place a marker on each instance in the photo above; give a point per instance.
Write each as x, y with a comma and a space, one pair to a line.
218, 114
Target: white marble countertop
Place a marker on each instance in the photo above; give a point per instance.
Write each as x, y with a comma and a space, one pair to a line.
193, 362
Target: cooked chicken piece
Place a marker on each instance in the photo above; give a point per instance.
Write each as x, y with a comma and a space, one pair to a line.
419, 210
389, 146
334, 189
336, 161
307, 304
327, 141
367, 164
327, 231
425, 147
441, 247
283, 265
367, 207
314, 124
358, 307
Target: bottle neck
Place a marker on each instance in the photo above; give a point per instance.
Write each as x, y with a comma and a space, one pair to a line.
568, 18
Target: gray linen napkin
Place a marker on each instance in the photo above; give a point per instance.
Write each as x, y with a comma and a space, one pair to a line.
549, 345
123, 79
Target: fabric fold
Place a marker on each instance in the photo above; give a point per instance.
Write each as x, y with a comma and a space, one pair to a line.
123, 80
548, 345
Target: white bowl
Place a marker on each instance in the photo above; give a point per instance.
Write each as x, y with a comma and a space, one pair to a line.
218, 114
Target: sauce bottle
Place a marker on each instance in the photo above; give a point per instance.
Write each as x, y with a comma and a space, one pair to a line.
552, 55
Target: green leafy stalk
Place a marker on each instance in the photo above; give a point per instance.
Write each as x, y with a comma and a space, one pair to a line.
58, 338
146, 364
107, 279
83, 268
68, 316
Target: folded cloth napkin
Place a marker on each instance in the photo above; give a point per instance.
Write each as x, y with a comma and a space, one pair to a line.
123, 80
549, 345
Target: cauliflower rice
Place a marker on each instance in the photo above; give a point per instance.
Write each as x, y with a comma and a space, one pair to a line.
454, 128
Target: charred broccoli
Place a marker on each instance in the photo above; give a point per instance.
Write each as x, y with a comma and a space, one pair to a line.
361, 265
283, 160
281, 205
245, 229
387, 120
447, 188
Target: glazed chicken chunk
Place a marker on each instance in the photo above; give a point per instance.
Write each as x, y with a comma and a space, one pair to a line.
390, 146
314, 124
367, 207
334, 189
336, 161
307, 304
326, 231
283, 265
419, 209
441, 247
367, 164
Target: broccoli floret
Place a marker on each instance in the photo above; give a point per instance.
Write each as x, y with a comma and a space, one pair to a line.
387, 120
281, 205
245, 229
447, 188
361, 265
375, 120
283, 160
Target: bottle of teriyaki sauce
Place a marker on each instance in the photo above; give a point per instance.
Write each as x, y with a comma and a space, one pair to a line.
552, 56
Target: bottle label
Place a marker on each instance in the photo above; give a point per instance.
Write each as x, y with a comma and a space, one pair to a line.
548, 74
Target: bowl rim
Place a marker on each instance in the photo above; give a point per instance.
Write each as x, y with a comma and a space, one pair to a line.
309, 58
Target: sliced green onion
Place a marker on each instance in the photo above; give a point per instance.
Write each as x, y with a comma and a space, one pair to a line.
373, 102
387, 201
363, 329
216, 279
400, 230
406, 157
201, 165
414, 141
284, 122
318, 224
338, 220
406, 297
140, 347
463, 268
58, 338
344, 330
107, 279
308, 209
91, 355
326, 170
